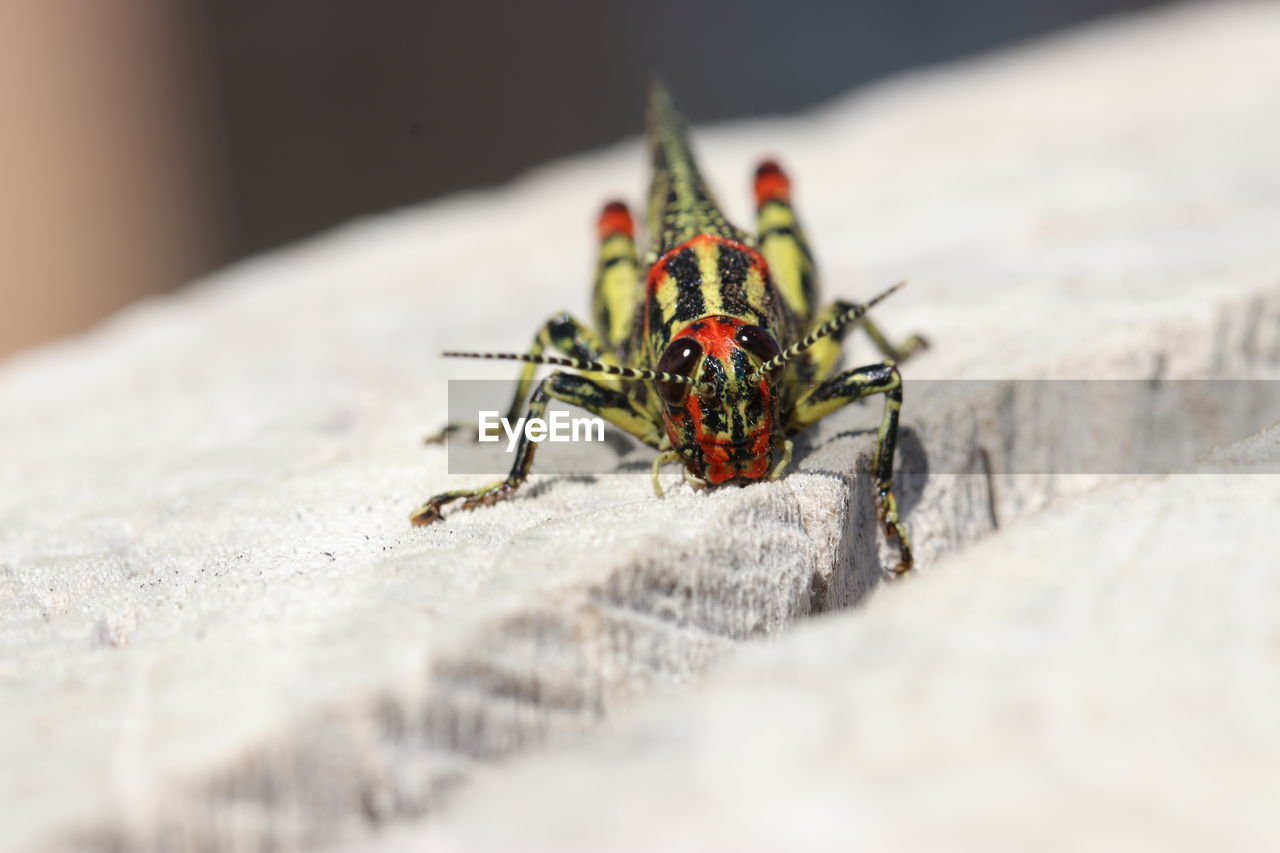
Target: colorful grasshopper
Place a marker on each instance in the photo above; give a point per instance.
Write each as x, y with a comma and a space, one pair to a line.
714, 355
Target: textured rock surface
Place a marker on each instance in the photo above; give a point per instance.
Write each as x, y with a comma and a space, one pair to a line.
1036, 692
216, 627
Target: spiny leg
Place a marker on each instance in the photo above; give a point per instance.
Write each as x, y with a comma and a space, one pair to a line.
612, 404
824, 356
844, 388
783, 244
897, 353
564, 333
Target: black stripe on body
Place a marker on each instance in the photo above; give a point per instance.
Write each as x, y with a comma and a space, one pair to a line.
680, 204
754, 408
684, 270
737, 427
732, 266
712, 412
655, 318
690, 432
741, 366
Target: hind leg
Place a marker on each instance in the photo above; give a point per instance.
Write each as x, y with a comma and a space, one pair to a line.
617, 290
784, 245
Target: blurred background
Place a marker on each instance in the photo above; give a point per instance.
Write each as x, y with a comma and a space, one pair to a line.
148, 142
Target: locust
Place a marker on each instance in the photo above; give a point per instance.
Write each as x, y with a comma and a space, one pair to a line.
713, 351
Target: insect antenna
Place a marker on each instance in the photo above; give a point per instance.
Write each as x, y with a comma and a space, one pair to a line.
828, 328
579, 364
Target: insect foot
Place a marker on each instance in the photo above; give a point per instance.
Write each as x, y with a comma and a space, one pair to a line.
469, 431
425, 514
912, 345
887, 510
490, 495
433, 509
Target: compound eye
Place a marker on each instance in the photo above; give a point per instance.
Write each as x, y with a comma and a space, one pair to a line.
682, 358
758, 342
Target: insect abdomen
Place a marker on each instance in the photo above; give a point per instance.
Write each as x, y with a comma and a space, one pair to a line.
681, 205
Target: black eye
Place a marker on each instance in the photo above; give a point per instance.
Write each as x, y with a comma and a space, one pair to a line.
681, 358
758, 342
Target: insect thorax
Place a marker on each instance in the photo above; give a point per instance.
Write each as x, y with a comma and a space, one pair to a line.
709, 276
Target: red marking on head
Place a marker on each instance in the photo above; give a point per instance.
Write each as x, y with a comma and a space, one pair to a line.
718, 337
716, 334
616, 219
721, 467
772, 183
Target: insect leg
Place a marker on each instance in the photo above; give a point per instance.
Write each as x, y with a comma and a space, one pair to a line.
619, 288
658, 461
783, 243
568, 335
612, 404
788, 447
821, 360
844, 388
784, 246
563, 333
894, 352
619, 285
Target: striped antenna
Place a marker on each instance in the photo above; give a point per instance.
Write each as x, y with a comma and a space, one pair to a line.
579, 364
830, 327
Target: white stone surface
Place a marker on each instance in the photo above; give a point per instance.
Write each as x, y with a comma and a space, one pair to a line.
217, 630
1104, 675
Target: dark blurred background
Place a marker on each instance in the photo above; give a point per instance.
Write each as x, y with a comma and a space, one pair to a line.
150, 141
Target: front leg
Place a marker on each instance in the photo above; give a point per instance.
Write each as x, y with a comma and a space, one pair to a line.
839, 391
563, 333
609, 403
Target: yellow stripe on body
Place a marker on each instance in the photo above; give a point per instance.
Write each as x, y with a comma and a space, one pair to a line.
753, 299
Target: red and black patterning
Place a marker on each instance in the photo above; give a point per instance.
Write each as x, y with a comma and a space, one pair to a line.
712, 352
